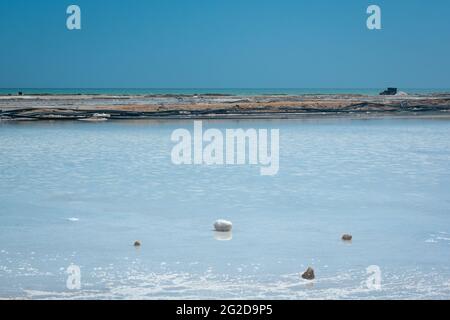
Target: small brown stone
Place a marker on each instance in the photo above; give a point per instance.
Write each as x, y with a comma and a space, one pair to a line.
347, 237
308, 274
137, 243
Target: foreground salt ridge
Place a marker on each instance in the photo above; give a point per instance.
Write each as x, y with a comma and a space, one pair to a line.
348, 284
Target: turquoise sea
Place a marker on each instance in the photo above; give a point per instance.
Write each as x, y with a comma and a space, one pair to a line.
74, 193
228, 91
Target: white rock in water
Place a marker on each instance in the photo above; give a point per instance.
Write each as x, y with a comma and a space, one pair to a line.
223, 236
223, 225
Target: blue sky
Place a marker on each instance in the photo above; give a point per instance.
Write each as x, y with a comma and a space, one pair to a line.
224, 43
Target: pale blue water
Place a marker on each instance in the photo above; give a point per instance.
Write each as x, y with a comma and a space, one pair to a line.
385, 181
227, 91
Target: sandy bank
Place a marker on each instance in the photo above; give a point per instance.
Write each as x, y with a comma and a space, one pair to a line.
74, 107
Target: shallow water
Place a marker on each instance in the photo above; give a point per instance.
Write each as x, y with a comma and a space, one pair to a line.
82, 193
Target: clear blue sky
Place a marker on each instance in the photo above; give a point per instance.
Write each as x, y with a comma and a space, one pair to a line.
224, 43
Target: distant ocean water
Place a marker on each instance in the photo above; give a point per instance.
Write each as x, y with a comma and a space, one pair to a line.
228, 91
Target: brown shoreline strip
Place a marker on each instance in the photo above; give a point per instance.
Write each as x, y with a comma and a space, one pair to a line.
206, 107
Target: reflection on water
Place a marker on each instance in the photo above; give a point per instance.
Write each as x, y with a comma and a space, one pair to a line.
223, 236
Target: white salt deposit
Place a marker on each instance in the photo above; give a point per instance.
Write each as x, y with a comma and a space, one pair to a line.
223, 225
